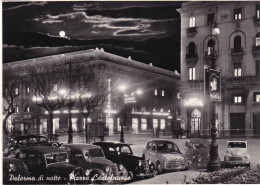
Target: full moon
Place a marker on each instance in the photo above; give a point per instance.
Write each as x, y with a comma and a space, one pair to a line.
62, 33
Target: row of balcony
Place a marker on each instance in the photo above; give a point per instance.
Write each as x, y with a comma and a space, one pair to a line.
234, 52
193, 30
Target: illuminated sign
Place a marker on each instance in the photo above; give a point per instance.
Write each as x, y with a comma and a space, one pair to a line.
193, 102
213, 83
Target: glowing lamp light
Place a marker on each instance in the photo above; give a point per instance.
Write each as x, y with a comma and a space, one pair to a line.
62, 33
139, 92
215, 31
122, 88
63, 92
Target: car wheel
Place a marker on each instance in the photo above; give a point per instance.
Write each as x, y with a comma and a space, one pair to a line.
54, 144
158, 167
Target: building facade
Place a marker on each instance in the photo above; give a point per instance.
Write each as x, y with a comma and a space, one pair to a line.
149, 98
238, 57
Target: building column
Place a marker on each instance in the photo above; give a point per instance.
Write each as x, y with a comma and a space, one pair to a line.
248, 116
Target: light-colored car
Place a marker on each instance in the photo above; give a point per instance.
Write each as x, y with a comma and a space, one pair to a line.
237, 154
165, 155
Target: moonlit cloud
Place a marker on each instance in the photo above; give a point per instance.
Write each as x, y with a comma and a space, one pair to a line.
25, 5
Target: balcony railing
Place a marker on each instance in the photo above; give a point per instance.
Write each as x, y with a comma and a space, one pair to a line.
192, 31
256, 21
191, 59
237, 52
256, 50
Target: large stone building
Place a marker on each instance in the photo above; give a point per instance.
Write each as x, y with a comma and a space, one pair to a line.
151, 96
238, 56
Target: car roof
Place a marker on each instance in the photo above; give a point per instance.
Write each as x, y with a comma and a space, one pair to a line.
10, 160
80, 146
26, 136
111, 143
161, 141
42, 149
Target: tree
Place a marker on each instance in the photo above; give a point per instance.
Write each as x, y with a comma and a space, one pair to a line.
90, 86
10, 92
48, 82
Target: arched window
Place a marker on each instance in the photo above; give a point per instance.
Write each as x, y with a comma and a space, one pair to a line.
192, 50
27, 109
237, 43
211, 47
195, 121
257, 39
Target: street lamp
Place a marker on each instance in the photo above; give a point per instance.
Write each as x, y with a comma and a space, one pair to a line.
214, 163
122, 88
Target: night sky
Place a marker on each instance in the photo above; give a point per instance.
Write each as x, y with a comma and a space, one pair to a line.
149, 32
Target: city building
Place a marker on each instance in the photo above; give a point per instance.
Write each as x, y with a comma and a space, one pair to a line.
238, 56
150, 97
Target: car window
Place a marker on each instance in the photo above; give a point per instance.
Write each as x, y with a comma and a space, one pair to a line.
236, 145
167, 147
111, 150
76, 154
32, 140
23, 141
125, 150
54, 158
96, 153
149, 145
43, 140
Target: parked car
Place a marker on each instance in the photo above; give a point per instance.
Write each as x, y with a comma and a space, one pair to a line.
16, 143
16, 172
122, 154
165, 155
52, 164
197, 152
92, 158
237, 154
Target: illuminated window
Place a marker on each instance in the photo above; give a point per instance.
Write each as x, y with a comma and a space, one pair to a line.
155, 123
17, 110
178, 95
237, 69
257, 39
257, 97
27, 109
237, 14
192, 22
155, 92
237, 98
211, 47
191, 73
162, 124
162, 92
143, 124
16, 90
27, 90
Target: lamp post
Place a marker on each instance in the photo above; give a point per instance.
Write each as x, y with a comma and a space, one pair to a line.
214, 163
70, 138
122, 88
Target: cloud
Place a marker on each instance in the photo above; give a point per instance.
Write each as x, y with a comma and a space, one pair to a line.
26, 5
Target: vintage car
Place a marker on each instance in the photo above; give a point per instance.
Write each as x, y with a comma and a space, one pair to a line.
237, 154
16, 143
51, 165
16, 172
122, 154
165, 155
92, 158
197, 152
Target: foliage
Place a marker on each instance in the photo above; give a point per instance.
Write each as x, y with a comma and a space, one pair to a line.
221, 176
10, 83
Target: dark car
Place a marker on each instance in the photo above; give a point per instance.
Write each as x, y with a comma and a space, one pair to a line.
165, 155
16, 172
121, 153
51, 165
16, 143
92, 158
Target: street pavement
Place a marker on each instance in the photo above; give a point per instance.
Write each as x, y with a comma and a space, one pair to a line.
139, 141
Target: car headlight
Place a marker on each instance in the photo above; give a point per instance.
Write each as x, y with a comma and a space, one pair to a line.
140, 163
87, 172
149, 162
120, 166
107, 169
72, 175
